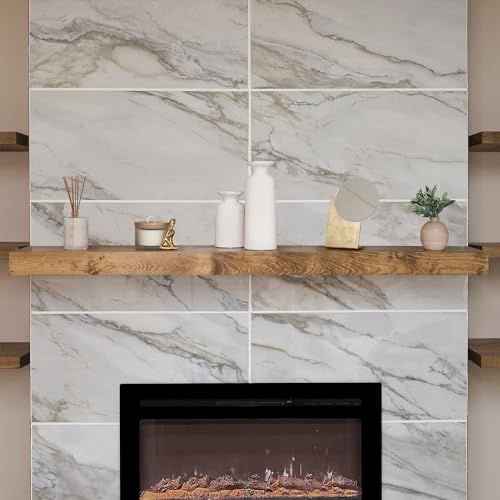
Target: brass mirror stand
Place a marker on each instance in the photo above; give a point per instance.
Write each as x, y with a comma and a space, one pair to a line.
341, 233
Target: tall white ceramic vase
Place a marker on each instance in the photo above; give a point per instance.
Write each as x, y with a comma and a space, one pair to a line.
229, 221
260, 208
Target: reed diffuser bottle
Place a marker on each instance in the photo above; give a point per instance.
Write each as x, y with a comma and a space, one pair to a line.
76, 228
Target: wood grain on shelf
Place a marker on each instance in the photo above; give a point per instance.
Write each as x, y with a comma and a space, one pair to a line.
7, 247
285, 261
13, 141
485, 141
485, 352
491, 249
14, 354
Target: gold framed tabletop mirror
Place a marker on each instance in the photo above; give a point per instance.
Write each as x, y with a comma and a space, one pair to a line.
355, 201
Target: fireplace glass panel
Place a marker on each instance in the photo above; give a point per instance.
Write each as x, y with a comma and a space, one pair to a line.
269, 458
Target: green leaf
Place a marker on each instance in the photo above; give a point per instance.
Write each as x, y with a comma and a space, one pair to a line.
428, 204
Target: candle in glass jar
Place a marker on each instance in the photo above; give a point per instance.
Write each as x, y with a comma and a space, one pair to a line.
150, 233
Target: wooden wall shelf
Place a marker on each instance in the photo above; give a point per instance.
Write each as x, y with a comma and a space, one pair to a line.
491, 249
485, 141
14, 354
13, 141
5, 248
485, 353
286, 261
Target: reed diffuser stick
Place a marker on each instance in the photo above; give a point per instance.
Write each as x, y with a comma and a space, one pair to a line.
74, 188
81, 192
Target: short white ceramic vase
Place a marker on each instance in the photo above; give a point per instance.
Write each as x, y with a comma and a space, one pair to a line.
229, 221
260, 208
76, 233
434, 235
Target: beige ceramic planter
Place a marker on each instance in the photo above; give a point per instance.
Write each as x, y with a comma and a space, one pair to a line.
434, 235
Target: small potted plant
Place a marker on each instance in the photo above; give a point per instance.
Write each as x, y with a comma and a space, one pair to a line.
434, 234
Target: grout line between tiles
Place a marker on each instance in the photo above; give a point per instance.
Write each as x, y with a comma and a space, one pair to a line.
93, 312
249, 45
364, 311
347, 89
408, 200
30, 293
382, 200
242, 90
127, 201
435, 421
249, 72
250, 329
138, 89
49, 424
251, 311
249, 159
385, 422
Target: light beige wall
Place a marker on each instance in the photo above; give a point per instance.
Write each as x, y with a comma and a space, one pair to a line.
484, 68
484, 225
14, 226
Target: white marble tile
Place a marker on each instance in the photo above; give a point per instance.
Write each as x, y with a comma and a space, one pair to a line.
320, 293
79, 361
392, 224
139, 145
152, 43
420, 358
113, 223
139, 293
425, 461
358, 43
394, 139
77, 462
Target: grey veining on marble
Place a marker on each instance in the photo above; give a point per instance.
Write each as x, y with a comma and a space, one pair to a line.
139, 293
420, 358
425, 461
75, 462
152, 43
392, 224
394, 139
139, 145
113, 223
79, 361
359, 44
316, 293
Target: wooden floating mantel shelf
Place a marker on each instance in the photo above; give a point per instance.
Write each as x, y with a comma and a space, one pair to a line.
13, 141
491, 249
485, 353
285, 261
485, 141
14, 354
6, 248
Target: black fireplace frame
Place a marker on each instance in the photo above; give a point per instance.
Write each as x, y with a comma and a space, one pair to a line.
316, 400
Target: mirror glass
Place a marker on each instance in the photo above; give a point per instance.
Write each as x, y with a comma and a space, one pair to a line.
356, 200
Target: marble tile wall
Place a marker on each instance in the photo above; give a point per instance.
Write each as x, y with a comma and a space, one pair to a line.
128, 348
357, 44
161, 103
420, 460
151, 43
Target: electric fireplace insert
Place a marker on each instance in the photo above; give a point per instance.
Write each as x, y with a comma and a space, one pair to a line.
250, 441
